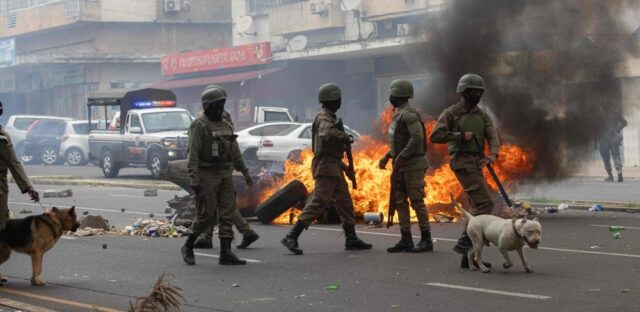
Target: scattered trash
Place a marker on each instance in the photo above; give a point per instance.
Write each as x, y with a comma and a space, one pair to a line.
163, 297
25, 211
150, 193
395, 306
168, 210
150, 215
373, 218
626, 290
57, 194
104, 246
440, 218
596, 208
299, 296
84, 213
89, 232
563, 206
235, 285
615, 228
332, 287
128, 228
95, 222
154, 228
616, 235
551, 209
65, 193
594, 247
122, 210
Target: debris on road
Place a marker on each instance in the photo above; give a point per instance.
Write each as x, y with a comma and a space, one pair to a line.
615, 228
150, 193
57, 194
122, 210
154, 228
235, 285
286, 197
84, 213
163, 297
332, 287
596, 208
94, 222
25, 211
626, 290
594, 247
616, 235
373, 218
441, 218
89, 232
104, 246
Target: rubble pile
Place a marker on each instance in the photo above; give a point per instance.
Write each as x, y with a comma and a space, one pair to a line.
154, 228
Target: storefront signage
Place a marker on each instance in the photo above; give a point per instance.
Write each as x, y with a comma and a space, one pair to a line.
213, 59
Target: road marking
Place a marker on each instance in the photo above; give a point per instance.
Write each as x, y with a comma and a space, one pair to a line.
21, 306
217, 256
490, 291
98, 209
455, 240
607, 226
68, 237
58, 300
128, 196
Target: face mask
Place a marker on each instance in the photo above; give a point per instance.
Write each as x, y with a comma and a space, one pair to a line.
214, 113
472, 99
333, 106
396, 102
1, 109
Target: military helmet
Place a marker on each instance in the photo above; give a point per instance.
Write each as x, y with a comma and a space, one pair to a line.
329, 92
470, 81
212, 93
401, 88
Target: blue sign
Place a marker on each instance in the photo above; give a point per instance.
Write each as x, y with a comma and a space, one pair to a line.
7, 52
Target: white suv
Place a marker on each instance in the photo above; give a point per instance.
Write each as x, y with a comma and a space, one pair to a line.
74, 146
17, 127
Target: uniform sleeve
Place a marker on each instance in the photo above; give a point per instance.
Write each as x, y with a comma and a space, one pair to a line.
327, 131
491, 135
442, 133
17, 171
416, 135
238, 160
195, 145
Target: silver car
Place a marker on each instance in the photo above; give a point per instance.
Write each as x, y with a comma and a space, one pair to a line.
74, 146
17, 127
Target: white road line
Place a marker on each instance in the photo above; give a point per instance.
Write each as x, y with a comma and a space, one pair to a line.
217, 256
607, 226
455, 240
490, 291
68, 237
127, 196
98, 209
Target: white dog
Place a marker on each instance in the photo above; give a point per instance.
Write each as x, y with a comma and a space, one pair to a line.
505, 234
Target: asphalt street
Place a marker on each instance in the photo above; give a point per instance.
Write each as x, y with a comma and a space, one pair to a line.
580, 267
88, 172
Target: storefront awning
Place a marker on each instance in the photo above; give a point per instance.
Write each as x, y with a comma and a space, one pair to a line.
219, 79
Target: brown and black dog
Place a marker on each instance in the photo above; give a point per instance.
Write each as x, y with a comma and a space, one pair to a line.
35, 235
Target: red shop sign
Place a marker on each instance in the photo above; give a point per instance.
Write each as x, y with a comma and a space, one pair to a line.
212, 59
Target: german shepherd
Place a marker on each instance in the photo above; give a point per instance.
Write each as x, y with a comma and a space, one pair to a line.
35, 235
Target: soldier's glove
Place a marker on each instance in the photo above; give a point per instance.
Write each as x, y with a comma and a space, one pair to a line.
351, 139
196, 188
35, 196
382, 164
248, 181
488, 160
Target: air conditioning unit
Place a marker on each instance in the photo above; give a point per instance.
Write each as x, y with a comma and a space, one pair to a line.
318, 7
172, 5
404, 30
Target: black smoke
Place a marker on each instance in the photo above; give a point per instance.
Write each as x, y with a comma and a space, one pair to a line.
533, 55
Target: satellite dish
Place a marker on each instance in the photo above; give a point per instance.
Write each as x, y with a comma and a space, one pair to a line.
349, 5
244, 23
298, 43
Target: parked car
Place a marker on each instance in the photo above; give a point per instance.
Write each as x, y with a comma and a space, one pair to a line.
42, 143
17, 126
289, 143
74, 147
249, 139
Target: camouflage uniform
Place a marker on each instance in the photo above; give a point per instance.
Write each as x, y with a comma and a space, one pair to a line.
9, 162
610, 143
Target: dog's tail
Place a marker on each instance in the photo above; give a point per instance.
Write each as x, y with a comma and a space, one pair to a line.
457, 205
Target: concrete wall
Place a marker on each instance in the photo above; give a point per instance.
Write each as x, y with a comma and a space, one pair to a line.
297, 17
197, 11
383, 7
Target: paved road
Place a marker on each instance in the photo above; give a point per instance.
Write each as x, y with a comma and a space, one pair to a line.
580, 267
584, 189
89, 171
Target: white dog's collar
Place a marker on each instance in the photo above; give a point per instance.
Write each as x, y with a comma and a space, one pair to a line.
513, 225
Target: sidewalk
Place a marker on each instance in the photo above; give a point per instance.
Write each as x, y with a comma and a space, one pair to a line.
596, 170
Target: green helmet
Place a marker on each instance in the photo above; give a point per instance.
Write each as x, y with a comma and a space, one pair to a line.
329, 92
212, 93
470, 81
401, 88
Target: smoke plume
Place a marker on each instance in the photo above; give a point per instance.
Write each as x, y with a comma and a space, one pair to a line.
533, 56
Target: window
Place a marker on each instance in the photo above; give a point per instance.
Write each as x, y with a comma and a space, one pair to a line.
135, 122
166, 121
50, 128
306, 133
23, 123
271, 130
81, 128
276, 116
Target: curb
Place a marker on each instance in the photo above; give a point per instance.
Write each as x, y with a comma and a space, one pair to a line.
160, 185
21, 306
584, 206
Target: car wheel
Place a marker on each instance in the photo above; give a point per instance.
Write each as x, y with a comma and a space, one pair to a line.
251, 158
285, 198
109, 167
75, 157
26, 158
156, 165
49, 155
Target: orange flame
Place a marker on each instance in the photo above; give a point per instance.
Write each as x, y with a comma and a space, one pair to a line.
372, 194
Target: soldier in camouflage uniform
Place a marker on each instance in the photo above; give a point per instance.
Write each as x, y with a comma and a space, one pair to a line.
205, 240
407, 137
328, 171
9, 162
213, 155
457, 126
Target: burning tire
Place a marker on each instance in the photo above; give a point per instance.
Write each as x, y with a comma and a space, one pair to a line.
281, 201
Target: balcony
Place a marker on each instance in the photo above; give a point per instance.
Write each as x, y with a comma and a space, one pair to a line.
379, 10
305, 16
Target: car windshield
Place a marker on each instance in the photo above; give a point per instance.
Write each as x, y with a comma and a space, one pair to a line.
166, 121
81, 128
287, 131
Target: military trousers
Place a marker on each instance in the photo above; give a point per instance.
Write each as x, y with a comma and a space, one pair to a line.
608, 151
329, 188
410, 185
475, 186
240, 223
4, 209
218, 199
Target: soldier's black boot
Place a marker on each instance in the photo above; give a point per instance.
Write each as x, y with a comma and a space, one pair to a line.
291, 240
226, 256
352, 242
405, 243
425, 244
187, 250
609, 178
620, 179
204, 241
248, 238
464, 243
